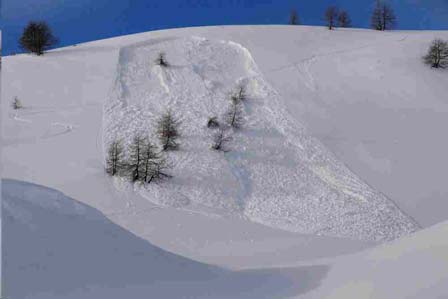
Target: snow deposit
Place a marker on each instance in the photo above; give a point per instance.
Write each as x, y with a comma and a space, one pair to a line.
275, 173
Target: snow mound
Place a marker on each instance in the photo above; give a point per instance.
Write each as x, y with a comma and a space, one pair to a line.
412, 267
275, 173
56, 247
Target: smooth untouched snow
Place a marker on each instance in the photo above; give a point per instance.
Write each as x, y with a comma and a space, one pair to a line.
413, 267
59, 248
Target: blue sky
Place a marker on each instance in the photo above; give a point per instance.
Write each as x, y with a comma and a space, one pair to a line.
75, 21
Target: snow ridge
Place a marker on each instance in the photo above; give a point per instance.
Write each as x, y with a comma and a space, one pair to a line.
276, 173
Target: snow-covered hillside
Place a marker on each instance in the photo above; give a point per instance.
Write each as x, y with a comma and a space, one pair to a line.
413, 267
342, 140
59, 248
275, 173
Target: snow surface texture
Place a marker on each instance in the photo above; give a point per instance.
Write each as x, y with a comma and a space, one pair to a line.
276, 173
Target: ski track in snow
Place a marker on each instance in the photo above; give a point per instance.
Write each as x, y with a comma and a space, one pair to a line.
303, 67
306, 62
16, 117
275, 174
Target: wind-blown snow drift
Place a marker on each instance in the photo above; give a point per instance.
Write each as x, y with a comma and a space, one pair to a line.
276, 173
412, 267
56, 247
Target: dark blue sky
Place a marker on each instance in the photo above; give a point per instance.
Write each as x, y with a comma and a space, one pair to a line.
75, 21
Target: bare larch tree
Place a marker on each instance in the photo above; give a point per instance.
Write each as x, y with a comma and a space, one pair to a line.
241, 92
344, 20
383, 16
437, 55
37, 37
159, 171
376, 21
219, 141
388, 17
150, 159
331, 15
114, 160
136, 157
168, 131
294, 18
234, 115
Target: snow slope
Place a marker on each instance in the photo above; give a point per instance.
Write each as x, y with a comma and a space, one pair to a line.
56, 247
47, 233
365, 95
56, 142
412, 267
370, 100
276, 173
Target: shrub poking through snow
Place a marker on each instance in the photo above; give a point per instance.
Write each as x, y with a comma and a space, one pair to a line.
437, 55
114, 160
16, 104
234, 115
235, 99
136, 158
219, 141
168, 131
161, 60
212, 122
37, 37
